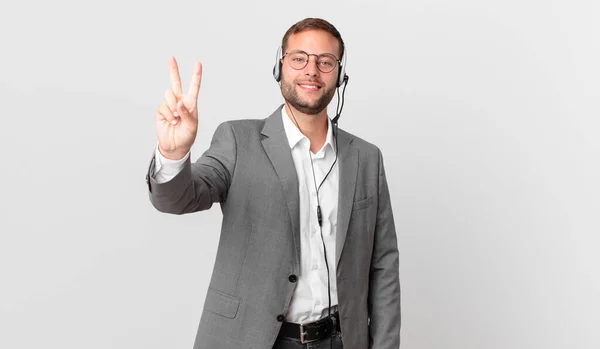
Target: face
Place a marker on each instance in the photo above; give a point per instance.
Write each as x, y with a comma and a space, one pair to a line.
309, 90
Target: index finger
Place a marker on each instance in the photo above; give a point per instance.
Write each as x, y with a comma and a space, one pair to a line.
174, 74
196, 79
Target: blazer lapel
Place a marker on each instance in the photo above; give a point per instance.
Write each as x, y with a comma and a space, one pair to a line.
277, 147
348, 171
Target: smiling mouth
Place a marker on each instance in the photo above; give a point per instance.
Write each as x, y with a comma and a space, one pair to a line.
310, 87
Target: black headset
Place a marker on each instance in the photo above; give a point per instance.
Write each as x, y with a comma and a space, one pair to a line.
342, 77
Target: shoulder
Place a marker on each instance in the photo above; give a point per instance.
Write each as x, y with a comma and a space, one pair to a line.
254, 126
241, 128
240, 124
365, 148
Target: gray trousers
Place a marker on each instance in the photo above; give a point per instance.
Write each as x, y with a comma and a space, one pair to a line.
334, 342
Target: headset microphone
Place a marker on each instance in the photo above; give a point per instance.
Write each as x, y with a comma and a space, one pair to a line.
339, 107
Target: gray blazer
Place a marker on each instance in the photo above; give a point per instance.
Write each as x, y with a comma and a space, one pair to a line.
249, 170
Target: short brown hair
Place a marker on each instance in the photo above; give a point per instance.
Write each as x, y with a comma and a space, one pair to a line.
313, 24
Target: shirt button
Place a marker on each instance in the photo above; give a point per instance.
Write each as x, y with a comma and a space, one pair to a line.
317, 303
314, 194
280, 318
313, 231
293, 278
315, 267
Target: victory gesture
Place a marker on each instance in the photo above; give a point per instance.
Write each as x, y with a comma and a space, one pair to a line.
177, 117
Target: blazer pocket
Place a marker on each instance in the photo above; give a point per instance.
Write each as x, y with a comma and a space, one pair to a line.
221, 303
360, 204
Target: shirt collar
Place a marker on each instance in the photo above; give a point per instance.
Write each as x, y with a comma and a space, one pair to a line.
294, 135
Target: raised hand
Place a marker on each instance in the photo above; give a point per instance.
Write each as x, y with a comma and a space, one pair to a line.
177, 117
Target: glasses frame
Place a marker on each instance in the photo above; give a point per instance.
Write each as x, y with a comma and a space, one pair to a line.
339, 63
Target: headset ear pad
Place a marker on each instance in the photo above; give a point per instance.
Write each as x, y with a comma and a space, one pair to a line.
277, 66
342, 70
277, 71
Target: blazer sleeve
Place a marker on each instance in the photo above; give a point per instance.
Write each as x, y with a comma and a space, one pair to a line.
199, 184
384, 279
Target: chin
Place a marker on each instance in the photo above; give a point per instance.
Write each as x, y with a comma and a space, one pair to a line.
308, 109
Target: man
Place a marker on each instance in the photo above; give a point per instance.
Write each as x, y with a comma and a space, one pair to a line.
307, 255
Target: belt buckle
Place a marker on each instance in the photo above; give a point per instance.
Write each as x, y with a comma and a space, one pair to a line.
302, 334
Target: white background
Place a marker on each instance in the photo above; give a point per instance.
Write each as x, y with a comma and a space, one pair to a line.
486, 113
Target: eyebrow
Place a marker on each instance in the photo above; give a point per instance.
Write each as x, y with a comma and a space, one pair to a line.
318, 54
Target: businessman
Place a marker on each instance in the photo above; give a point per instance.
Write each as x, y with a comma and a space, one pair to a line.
307, 256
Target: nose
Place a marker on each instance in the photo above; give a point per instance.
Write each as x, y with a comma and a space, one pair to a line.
311, 66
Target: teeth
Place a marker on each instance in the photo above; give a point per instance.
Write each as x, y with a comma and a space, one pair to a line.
309, 86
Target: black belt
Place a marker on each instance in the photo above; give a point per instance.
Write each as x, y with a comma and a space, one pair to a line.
312, 331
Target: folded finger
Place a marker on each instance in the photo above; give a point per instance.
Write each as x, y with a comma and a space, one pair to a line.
165, 112
171, 101
182, 109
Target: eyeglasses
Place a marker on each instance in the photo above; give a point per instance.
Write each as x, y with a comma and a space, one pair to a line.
326, 62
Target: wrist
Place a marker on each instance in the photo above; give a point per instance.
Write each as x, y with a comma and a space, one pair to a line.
173, 155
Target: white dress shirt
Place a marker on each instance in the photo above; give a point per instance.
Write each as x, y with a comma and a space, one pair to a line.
309, 300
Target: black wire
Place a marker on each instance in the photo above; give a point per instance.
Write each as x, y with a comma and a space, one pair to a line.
342, 105
337, 92
321, 227
338, 109
319, 217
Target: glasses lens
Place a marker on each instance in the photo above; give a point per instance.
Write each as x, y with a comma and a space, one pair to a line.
298, 59
326, 63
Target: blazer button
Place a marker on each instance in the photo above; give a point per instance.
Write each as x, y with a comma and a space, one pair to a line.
280, 318
293, 278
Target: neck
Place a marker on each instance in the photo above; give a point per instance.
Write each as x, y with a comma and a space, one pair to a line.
314, 127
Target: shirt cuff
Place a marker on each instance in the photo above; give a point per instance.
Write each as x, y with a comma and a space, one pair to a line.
166, 169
